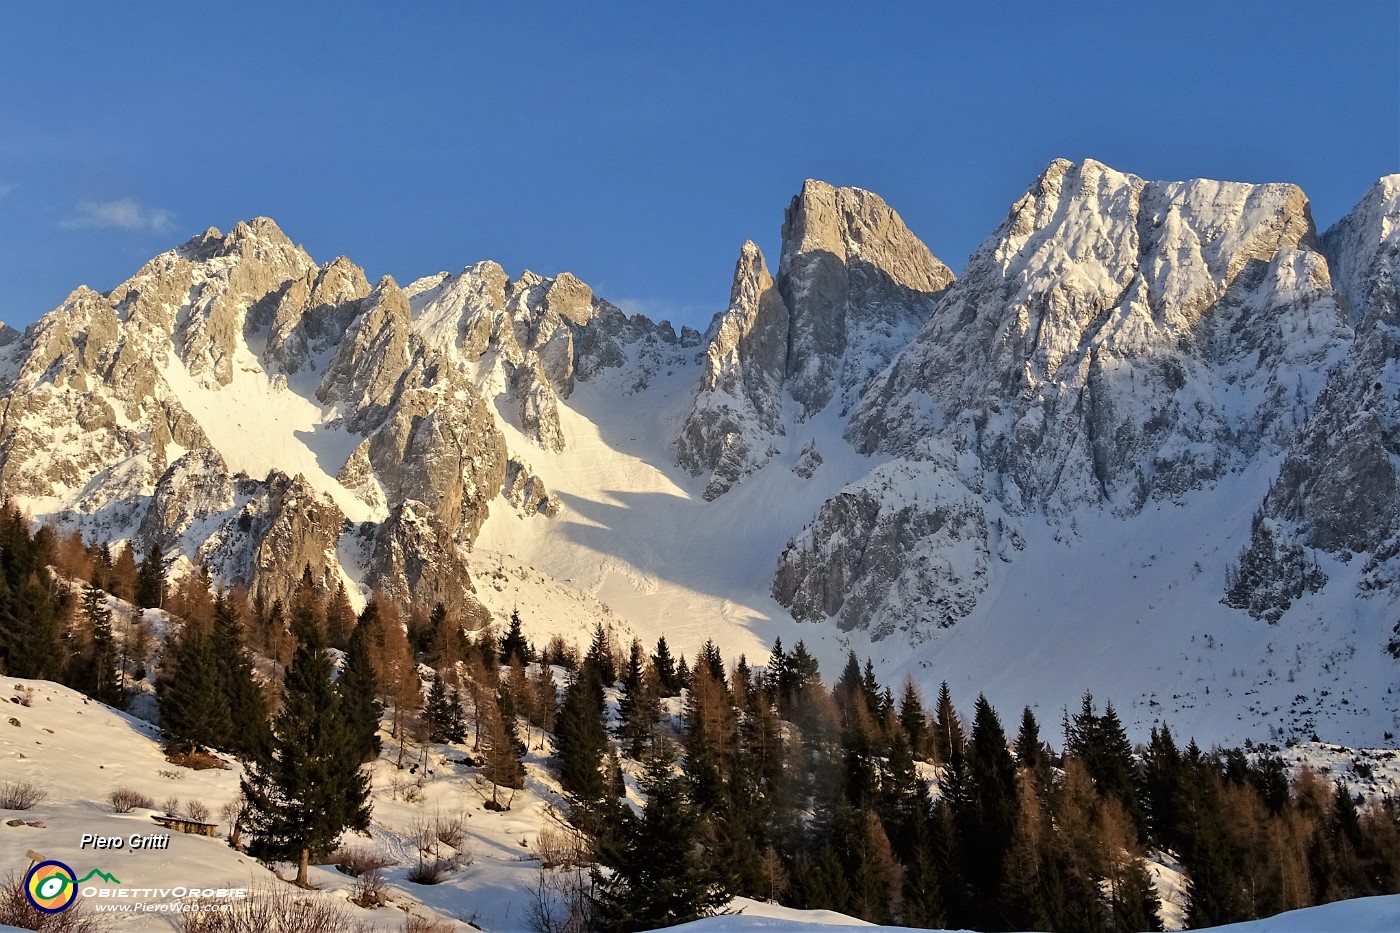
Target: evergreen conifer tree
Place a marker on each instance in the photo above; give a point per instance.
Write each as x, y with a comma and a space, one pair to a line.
340, 618
193, 708
249, 733
580, 741
514, 647
1029, 749
306, 620
711, 660
600, 655
500, 749
311, 788
150, 579
914, 720
358, 690
437, 712
638, 709
665, 668
104, 683
658, 877
947, 732
986, 818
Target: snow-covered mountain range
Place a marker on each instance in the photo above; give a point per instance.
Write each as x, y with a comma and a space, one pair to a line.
1147, 445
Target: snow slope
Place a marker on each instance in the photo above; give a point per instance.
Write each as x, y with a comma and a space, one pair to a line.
1362, 914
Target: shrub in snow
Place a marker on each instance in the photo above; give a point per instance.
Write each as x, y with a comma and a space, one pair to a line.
126, 799
20, 795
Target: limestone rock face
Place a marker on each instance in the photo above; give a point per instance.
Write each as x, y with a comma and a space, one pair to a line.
1339, 485
254, 260
853, 287
809, 461
297, 527
195, 486
738, 406
310, 314
414, 559
147, 412
1273, 572
440, 448
527, 492
857, 285
612, 340
539, 406
357, 476
363, 378
1117, 340
906, 549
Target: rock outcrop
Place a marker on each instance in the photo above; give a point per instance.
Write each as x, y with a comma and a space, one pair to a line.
853, 287
739, 405
905, 549
1339, 486
858, 285
1117, 340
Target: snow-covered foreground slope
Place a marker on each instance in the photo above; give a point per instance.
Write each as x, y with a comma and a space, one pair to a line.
78, 751
1363, 914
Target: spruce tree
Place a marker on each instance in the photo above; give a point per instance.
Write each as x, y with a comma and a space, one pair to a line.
637, 708
600, 655
340, 618
150, 579
437, 712
658, 877
514, 647
947, 732
711, 660
104, 684
1029, 749
847, 691
358, 689
193, 709
1134, 905
30, 641
307, 620
1101, 743
665, 668
580, 741
311, 789
1162, 790
249, 732
500, 750
986, 819
915, 721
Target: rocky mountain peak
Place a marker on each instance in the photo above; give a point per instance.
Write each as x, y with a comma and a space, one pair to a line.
1101, 329
1364, 251
857, 283
739, 403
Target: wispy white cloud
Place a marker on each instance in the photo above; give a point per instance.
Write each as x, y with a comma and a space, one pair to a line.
119, 214
5, 190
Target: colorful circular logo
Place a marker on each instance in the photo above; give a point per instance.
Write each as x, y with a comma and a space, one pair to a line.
51, 887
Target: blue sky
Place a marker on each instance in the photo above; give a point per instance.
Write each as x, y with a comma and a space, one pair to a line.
638, 145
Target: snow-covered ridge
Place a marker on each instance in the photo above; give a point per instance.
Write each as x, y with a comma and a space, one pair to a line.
1060, 455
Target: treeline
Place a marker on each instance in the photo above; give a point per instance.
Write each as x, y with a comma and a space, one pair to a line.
759, 781
820, 798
